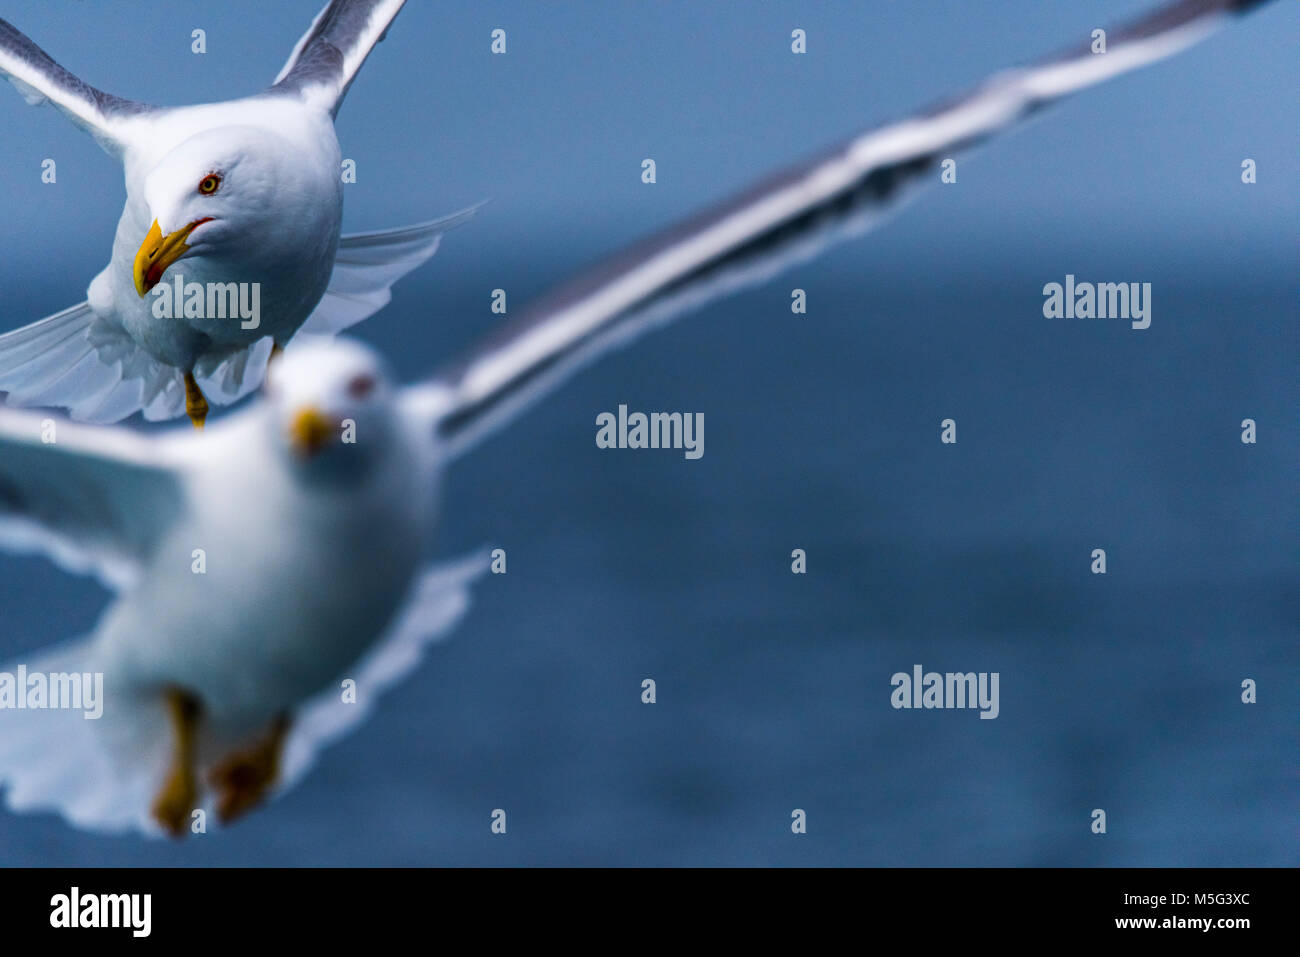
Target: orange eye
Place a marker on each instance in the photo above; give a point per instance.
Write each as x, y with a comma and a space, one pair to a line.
208, 185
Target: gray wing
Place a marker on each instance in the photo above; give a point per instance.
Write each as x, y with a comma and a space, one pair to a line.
368, 264
789, 218
94, 499
326, 59
39, 79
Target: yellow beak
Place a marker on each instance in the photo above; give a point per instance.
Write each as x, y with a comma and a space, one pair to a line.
310, 431
157, 252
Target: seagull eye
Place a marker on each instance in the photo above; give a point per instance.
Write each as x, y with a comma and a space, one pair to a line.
361, 386
208, 184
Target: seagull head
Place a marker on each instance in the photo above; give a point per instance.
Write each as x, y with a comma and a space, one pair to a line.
242, 196
331, 407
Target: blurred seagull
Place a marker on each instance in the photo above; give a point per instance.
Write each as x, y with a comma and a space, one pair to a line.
312, 506
244, 191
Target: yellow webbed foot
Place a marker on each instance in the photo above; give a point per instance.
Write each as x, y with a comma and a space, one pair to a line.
172, 807
179, 792
196, 406
245, 777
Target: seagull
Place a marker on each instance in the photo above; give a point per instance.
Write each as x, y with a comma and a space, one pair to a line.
245, 191
266, 567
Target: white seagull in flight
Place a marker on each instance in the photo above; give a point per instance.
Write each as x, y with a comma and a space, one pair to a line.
313, 505
244, 191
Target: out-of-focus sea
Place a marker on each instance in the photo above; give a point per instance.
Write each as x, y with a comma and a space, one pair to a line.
1119, 691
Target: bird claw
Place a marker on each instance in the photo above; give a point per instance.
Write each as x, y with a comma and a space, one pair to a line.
245, 777
175, 801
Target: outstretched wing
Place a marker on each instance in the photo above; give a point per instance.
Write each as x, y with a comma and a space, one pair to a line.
327, 58
39, 79
94, 499
86, 363
438, 600
366, 266
787, 219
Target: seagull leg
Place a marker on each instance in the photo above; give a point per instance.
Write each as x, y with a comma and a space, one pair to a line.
277, 350
245, 777
177, 796
196, 407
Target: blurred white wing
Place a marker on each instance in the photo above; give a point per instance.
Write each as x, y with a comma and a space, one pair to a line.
789, 218
326, 59
438, 600
95, 499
